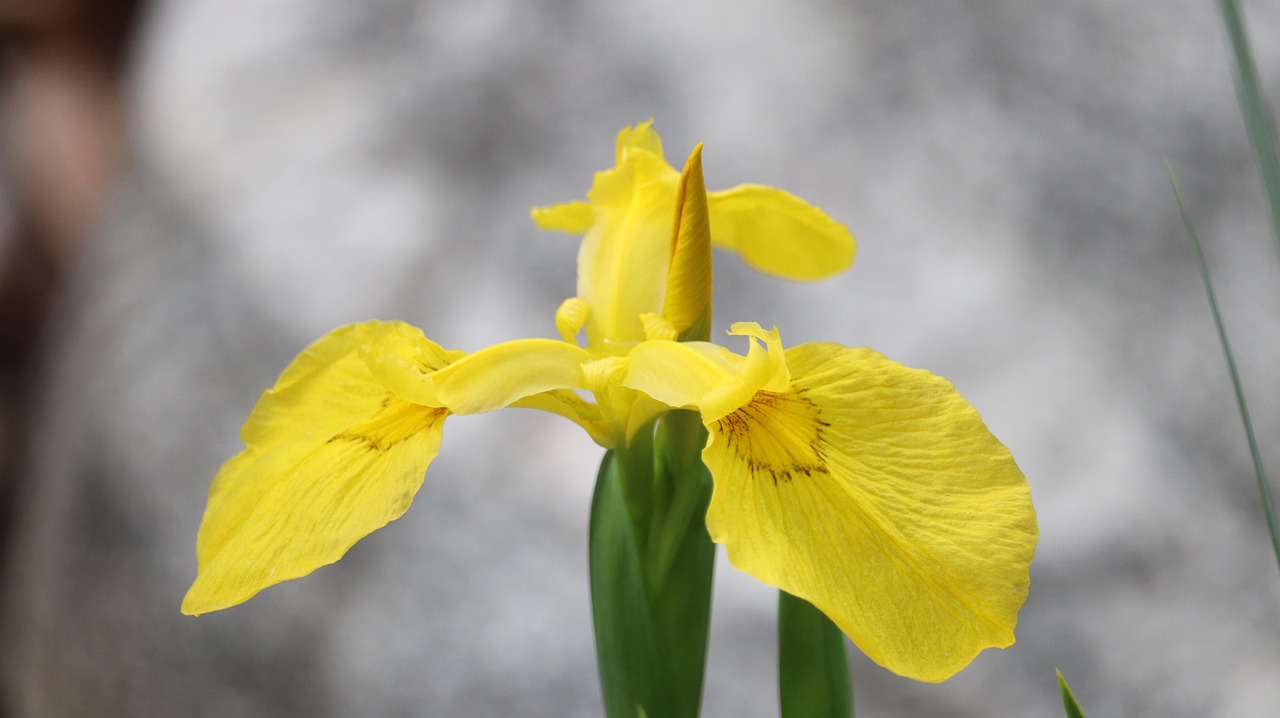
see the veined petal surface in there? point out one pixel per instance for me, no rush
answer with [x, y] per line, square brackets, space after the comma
[875, 492]
[779, 233]
[331, 456]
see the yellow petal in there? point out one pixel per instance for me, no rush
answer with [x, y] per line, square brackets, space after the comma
[641, 137]
[331, 456]
[577, 217]
[642, 410]
[875, 492]
[687, 304]
[766, 365]
[571, 217]
[401, 357]
[707, 377]
[563, 402]
[779, 233]
[505, 373]
[571, 316]
[622, 263]
[683, 374]
[656, 327]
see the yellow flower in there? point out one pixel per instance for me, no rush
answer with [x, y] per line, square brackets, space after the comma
[872, 490]
[622, 265]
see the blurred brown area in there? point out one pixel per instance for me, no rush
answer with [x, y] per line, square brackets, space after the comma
[62, 70]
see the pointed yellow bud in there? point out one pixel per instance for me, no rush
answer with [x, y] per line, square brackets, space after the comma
[687, 304]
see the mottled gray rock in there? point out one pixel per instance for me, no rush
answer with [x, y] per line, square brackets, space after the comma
[298, 165]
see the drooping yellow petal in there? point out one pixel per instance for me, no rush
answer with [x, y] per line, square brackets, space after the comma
[331, 456]
[875, 492]
[687, 304]
[779, 233]
[502, 374]
[401, 357]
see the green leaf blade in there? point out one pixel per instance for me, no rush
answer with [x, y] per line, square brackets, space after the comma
[1069, 702]
[1264, 486]
[1253, 107]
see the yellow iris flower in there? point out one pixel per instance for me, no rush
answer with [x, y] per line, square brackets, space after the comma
[870, 489]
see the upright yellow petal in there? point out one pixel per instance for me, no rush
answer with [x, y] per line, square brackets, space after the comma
[779, 233]
[331, 456]
[875, 492]
[687, 304]
[622, 263]
[641, 137]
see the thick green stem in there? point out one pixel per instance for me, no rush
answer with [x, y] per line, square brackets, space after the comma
[651, 564]
[813, 667]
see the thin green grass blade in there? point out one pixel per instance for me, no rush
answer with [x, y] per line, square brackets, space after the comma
[1264, 488]
[1068, 699]
[813, 667]
[1253, 106]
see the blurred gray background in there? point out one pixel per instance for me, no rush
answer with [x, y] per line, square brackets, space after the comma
[291, 165]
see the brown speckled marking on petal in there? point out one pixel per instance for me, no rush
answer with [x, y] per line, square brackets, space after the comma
[396, 423]
[777, 433]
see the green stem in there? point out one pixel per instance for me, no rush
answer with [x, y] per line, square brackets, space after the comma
[813, 667]
[651, 564]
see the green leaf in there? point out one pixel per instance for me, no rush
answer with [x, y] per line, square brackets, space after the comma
[813, 667]
[1069, 700]
[1253, 106]
[1264, 487]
